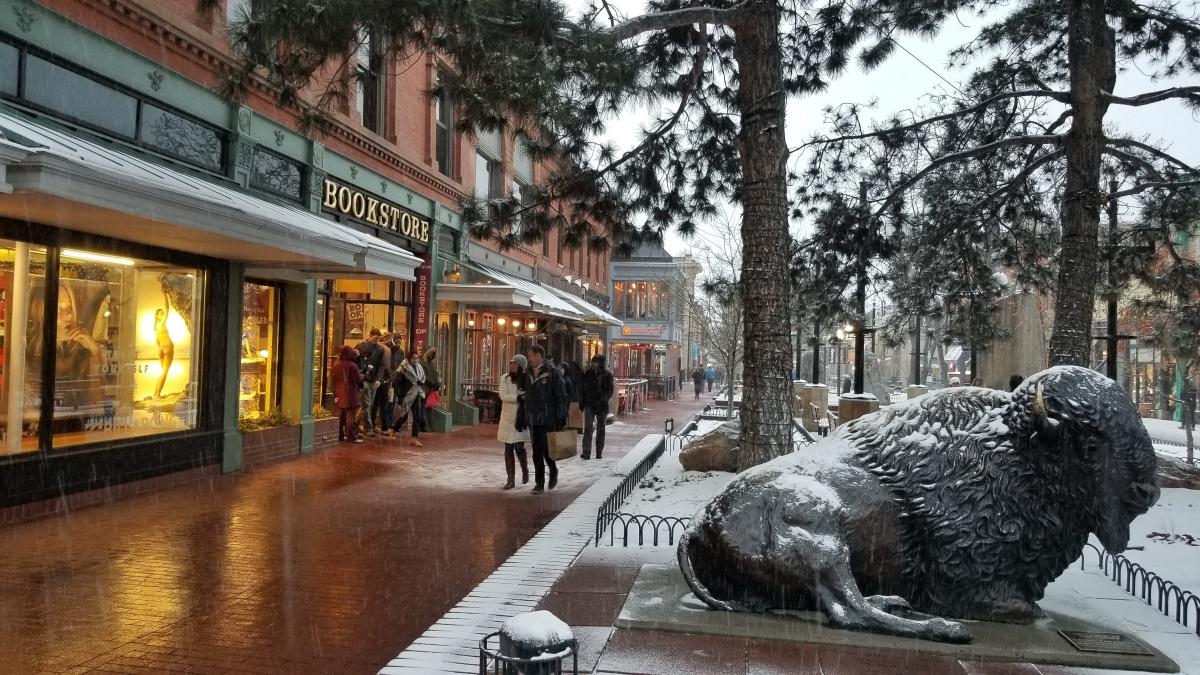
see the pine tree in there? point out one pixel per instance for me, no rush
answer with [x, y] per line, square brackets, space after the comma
[1051, 63]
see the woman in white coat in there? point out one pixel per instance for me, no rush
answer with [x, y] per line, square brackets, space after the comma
[513, 432]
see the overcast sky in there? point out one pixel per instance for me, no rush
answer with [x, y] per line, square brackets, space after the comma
[902, 81]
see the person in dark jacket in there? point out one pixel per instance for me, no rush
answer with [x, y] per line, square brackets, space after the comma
[545, 411]
[347, 381]
[370, 360]
[595, 392]
[698, 379]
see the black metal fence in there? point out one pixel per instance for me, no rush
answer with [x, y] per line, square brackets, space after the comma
[655, 528]
[1164, 595]
[612, 505]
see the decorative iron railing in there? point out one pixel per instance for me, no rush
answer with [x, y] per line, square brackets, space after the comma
[612, 505]
[1164, 595]
[641, 525]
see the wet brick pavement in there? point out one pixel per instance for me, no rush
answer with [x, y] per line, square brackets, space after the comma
[331, 563]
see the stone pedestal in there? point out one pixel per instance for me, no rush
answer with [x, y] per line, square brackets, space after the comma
[799, 398]
[915, 390]
[818, 395]
[854, 406]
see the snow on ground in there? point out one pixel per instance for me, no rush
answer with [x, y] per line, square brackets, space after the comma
[1170, 533]
[668, 490]
[1168, 430]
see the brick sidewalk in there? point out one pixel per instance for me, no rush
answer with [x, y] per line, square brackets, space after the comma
[324, 564]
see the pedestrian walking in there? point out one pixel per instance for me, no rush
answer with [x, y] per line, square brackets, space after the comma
[370, 363]
[710, 376]
[1015, 381]
[698, 379]
[384, 396]
[545, 411]
[513, 431]
[410, 381]
[433, 385]
[595, 392]
[347, 382]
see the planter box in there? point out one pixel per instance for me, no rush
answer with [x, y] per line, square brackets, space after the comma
[265, 446]
[325, 433]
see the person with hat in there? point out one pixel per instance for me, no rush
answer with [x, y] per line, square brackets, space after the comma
[513, 432]
[595, 392]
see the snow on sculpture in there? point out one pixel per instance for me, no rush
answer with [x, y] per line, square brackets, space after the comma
[963, 503]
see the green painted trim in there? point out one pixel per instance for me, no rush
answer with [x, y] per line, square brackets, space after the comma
[231, 453]
[70, 41]
[307, 422]
[439, 420]
[465, 414]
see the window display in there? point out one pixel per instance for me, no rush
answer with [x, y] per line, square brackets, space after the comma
[258, 391]
[120, 347]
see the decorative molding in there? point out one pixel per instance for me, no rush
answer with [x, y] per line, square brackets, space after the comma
[244, 155]
[26, 16]
[318, 155]
[383, 186]
[279, 136]
[156, 79]
[353, 172]
[244, 117]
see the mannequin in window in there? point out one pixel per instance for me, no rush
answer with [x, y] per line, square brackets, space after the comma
[166, 348]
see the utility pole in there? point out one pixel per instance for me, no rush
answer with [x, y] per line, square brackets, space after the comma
[1110, 365]
[860, 296]
[816, 373]
[916, 351]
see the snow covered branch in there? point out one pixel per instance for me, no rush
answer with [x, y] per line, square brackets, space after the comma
[687, 16]
[1157, 185]
[1166, 157]
[1191, 93]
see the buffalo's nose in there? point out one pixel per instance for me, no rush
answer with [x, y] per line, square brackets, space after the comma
[1146, 494]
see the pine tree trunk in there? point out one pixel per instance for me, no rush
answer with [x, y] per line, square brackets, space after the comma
[766, 411]
[1090, 54]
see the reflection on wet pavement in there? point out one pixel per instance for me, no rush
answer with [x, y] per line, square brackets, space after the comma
[323, 564]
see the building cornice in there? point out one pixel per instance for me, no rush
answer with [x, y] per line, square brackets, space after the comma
[192, 43]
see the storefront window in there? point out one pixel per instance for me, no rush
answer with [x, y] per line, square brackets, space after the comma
[258, 389]
[125, 349]
[9, 67]
[319, 325]
[22, 289]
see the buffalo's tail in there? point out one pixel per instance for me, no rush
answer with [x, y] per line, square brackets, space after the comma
[689, 575]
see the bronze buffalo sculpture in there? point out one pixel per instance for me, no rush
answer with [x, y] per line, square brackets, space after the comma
[963, 503]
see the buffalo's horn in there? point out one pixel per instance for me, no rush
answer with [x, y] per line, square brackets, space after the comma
[1042, 423]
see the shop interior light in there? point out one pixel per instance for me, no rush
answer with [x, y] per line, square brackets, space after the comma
[501, 321]
[516, 324]
[264, 353]
[96, 257]
[470, 323]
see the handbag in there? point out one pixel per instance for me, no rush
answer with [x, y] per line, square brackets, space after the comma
[561, 444]
[433, 399]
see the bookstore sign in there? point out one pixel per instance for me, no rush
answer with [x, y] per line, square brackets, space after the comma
[366, 208]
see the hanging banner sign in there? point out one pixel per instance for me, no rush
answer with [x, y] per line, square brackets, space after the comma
[361, 206]
[421, 307]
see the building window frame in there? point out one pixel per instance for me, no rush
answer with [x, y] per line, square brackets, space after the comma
[137, 139]
[445, 135]
[372, 85]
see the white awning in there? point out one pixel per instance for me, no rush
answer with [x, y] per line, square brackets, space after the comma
[498, 295]
[953, 353]
[592, 312]
[60, 179]
[541, 298]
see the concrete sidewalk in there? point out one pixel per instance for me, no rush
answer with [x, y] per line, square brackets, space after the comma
[329, 563]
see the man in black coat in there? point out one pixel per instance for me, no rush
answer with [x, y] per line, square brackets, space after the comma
[371, 357]
[594, 394]
[546, 406]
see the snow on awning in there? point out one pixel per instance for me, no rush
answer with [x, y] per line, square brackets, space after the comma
[953, 354]
[541, 298]
[66, 180]
[593, 312]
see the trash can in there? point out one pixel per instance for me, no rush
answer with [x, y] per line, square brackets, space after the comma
[535, 643]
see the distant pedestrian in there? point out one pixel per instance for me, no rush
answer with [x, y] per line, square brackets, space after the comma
[545, 411]
[595, 393]
[513, 431]
[710, 376]
[698, 380]
[347, 381]
[977, 382]
[1015, 381]
[955, 382]
[433, 385]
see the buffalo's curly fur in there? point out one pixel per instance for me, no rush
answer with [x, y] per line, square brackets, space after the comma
[991, 496]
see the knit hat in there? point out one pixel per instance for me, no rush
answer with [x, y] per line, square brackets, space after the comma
[520, 360]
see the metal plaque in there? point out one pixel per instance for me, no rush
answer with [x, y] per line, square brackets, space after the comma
[1108, 643]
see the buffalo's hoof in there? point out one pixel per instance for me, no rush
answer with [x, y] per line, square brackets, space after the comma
[889, 603]
[945, 630]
